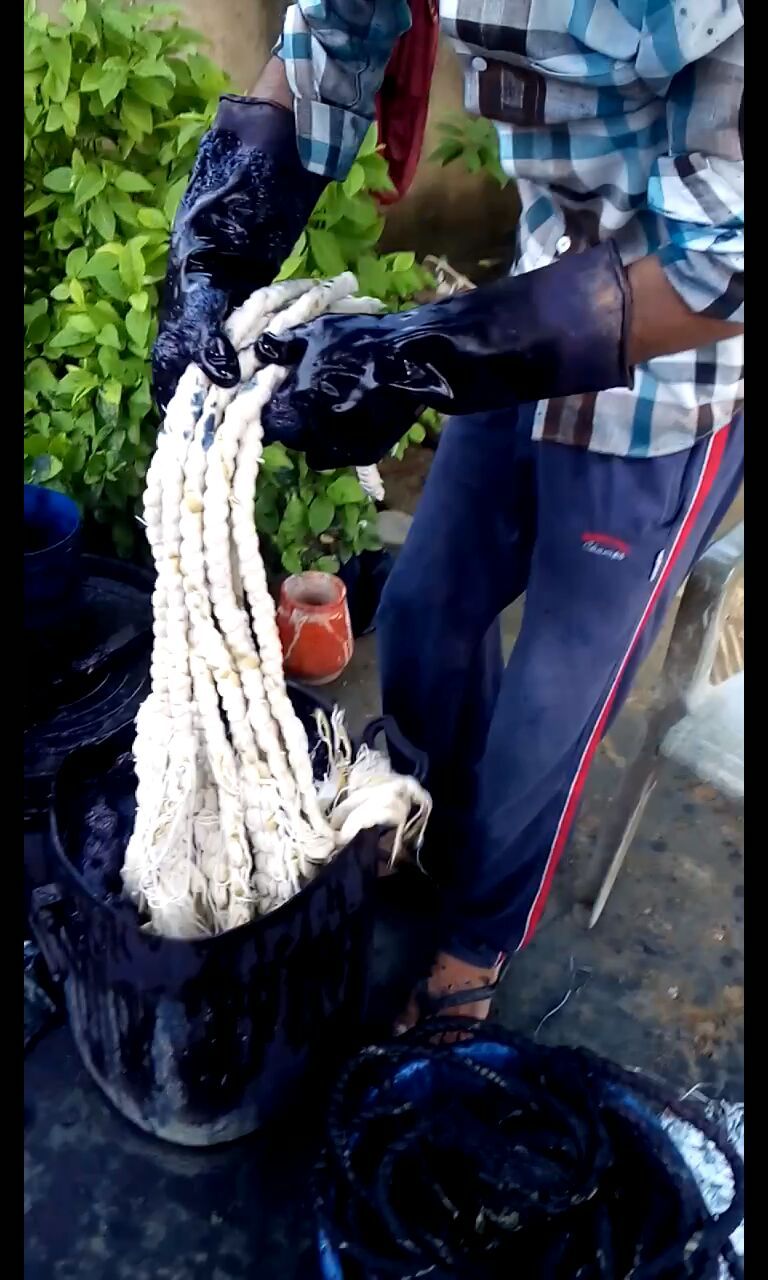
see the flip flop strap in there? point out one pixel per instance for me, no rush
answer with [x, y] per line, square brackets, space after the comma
[431, 1004]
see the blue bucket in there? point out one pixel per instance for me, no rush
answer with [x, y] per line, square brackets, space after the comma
[52, 528]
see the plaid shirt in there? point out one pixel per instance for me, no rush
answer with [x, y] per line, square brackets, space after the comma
[617, 119]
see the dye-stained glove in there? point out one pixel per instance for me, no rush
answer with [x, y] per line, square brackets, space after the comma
[357, 383]
[248, 200]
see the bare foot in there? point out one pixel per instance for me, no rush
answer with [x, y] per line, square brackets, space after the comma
[448, 977]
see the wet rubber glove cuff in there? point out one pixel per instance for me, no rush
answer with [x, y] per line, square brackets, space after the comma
[258, 123]
[558, 331]
[355, 384]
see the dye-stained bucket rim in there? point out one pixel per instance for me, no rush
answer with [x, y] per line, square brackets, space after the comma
[40, 494]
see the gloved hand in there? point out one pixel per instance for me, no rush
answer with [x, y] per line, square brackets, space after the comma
[248, 200]
[357, 383]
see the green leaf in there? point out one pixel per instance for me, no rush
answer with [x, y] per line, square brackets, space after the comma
[132, 264]
[36, 445]
[275, 458]
[355, 180]
[293, 266]
[126, 180]
[135, 116]
[153, 218]
[326, 252]
[83, 324]
[294, 521]
[267, 519]
[110, 362]
[91, 79]
[76, 380]
[321, 515]
[137, 324]
[112, 81]
[344, 490]
[74, 11]
[155, 67]
[112, 391]
[55, 119]
[34, 309]
[157, 93]
[327, 564]
[118, 20]
[370, 143]
[59, 179]
[171, 201]
[71, 108]
[108, 337]
[446, 152]
[139, 301]
[37, 206]
[377, 174]
[112, 285]
[291, 560]
[102, 219]
[417, 433]
[403, 261]
[189, 132]
[364, 213]
[76, 260]
[38, 376]
[56, 81]
[69, 336]
[91, 184]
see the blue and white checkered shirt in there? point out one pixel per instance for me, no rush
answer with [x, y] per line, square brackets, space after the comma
[617, 119]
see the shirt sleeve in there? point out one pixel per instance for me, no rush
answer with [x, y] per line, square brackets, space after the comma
[335, 54]
[698, 185]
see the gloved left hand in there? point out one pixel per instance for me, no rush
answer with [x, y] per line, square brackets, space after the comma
[356, 384]
[248, 200]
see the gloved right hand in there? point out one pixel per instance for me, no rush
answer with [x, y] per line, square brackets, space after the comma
[354, 384]
[248, 200]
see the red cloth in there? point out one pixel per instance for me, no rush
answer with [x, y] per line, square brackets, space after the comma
[403, 100]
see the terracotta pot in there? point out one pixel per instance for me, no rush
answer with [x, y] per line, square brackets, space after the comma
[314, 625]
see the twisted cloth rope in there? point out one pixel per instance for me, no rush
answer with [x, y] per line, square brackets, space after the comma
[495, 1157]
[229, 819]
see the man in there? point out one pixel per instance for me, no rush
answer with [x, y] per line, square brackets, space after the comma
[598, 393]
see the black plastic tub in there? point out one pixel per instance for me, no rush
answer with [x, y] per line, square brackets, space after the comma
[201, 1042]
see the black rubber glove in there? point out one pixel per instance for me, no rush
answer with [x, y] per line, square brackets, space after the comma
[357, 383]
[248, 200]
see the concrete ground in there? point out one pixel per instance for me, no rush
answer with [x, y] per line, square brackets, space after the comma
[659, 986]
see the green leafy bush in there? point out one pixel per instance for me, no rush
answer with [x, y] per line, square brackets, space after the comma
[474, 141]
[117, 97]
[310, 519]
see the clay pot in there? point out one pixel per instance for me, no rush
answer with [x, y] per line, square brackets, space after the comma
[315, 628]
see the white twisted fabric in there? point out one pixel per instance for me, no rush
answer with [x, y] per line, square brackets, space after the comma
[229, 820]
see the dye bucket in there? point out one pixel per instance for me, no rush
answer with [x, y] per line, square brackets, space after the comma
[52, 530]
[494, 1156]
[198, 1042]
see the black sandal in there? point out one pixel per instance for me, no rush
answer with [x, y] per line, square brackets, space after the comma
[432, 1006]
